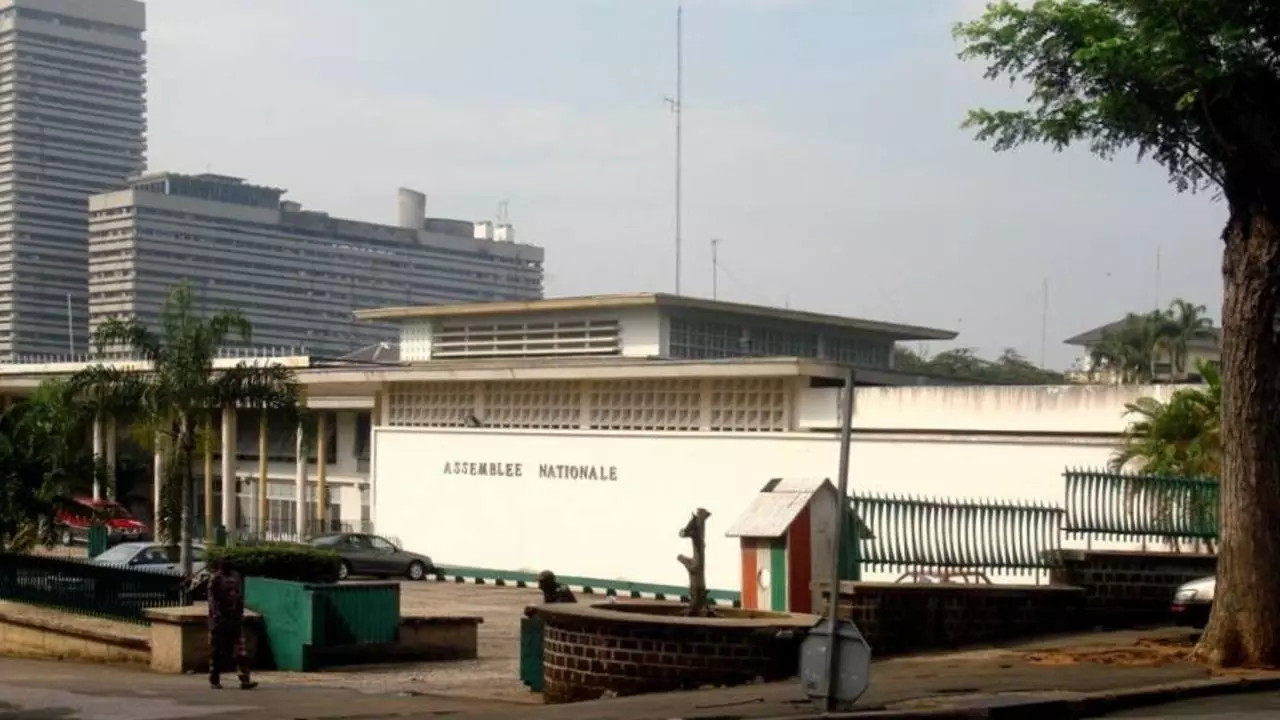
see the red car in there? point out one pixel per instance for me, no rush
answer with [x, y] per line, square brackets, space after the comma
[74, 523]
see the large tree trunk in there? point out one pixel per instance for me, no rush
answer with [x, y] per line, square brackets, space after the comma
[1245, 626]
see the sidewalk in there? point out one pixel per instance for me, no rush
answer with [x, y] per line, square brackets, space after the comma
[1050, 669]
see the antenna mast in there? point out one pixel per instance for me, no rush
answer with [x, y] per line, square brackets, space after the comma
[676, 107]
[715, 267]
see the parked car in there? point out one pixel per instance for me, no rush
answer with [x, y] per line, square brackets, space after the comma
[149, 556]
[1192, 602]
[372, 555]
[74, 522]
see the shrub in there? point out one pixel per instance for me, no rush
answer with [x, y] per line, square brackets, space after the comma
[282, 561]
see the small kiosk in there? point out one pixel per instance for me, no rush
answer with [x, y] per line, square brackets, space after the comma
[786, 540]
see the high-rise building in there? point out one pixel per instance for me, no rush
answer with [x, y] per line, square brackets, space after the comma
[72, 107]
[297, 274]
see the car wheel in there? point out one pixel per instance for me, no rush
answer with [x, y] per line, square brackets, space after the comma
[417, 570]
[344, 570]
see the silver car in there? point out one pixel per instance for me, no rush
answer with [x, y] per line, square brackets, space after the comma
[150, 557]
[1192, 602]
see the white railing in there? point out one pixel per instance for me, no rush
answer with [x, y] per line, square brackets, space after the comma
[231, 353]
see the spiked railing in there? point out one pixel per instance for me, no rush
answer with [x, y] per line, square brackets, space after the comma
[1121, 506]
[913, 533]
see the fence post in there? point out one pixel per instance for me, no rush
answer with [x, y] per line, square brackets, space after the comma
[97, 539]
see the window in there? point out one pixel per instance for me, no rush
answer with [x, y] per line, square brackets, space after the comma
[381, 545]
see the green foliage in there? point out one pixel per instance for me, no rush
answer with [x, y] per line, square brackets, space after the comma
[963, 364]
[1132, 350]
[1181, 437]
[282, 561]
[1187, 83]
[181, 392]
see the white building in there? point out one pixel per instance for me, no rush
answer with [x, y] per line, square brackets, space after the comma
[562, 434]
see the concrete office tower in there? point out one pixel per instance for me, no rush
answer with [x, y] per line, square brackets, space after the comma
[297, 274]
[72, 124]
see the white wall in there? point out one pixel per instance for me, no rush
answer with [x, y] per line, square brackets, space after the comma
[981, 408]
[627, 529]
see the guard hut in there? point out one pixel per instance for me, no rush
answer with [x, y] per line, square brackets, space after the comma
[785, 538]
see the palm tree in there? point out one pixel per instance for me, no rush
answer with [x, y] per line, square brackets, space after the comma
[1178, 438]
[1131, 350]
[1188, 322]
[182, 390]
[1181, 437]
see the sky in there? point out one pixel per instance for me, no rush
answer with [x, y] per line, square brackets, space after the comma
[822, 146]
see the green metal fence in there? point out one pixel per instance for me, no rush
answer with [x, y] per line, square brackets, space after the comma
[1118, 506]
[910, 533]
[117, 593]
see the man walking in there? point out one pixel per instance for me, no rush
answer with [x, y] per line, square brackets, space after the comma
[226, 626]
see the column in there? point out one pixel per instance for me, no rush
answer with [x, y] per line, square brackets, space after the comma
[300, 484]
[262, 473]
[208, 479]
[375, 421]
[229, 469]
[157, 487]
[97, 456]
[111, 457]
[322, 456]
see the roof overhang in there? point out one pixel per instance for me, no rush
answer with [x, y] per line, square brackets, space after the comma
[651, 300]
[563, 369]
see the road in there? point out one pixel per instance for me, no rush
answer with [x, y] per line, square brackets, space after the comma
[1253, 706]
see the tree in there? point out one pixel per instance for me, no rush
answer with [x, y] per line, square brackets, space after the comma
[1131, 350]
[1180, 437]
[1195, 86]
[1187, 323]
[181, 390]
[1011, 368]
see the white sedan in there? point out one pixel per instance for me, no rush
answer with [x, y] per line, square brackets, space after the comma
[1192, 602]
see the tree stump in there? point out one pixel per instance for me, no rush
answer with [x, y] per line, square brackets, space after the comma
[695, 530]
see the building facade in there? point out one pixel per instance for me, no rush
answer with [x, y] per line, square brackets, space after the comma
[590, 464]
[299, 275]
[72, 107]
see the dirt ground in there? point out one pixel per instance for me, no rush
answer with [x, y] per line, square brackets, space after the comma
[1144, 652]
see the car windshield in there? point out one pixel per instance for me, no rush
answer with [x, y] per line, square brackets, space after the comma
[118, 555]
[113, 510]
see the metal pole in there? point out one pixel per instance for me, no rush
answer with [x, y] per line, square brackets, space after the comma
[1044, 322]
[679, 107]
[715, 267]
[842, 514]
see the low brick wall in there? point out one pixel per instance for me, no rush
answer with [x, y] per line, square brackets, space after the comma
[1129, 589]
[902, 618]
[590, 651]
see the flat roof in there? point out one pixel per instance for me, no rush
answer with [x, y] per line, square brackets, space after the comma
[654, 300]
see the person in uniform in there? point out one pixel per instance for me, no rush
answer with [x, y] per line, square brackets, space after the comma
[553, 591]
[226, 624]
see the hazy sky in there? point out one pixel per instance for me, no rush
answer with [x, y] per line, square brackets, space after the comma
[822, 143]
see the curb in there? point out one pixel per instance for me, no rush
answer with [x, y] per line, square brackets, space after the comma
[1083, 706]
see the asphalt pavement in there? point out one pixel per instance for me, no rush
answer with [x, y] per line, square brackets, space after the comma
[1255, 706]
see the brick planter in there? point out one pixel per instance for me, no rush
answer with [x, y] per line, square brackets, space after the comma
[635, 648]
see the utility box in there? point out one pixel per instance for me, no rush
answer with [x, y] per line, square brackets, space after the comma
[786, 537]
